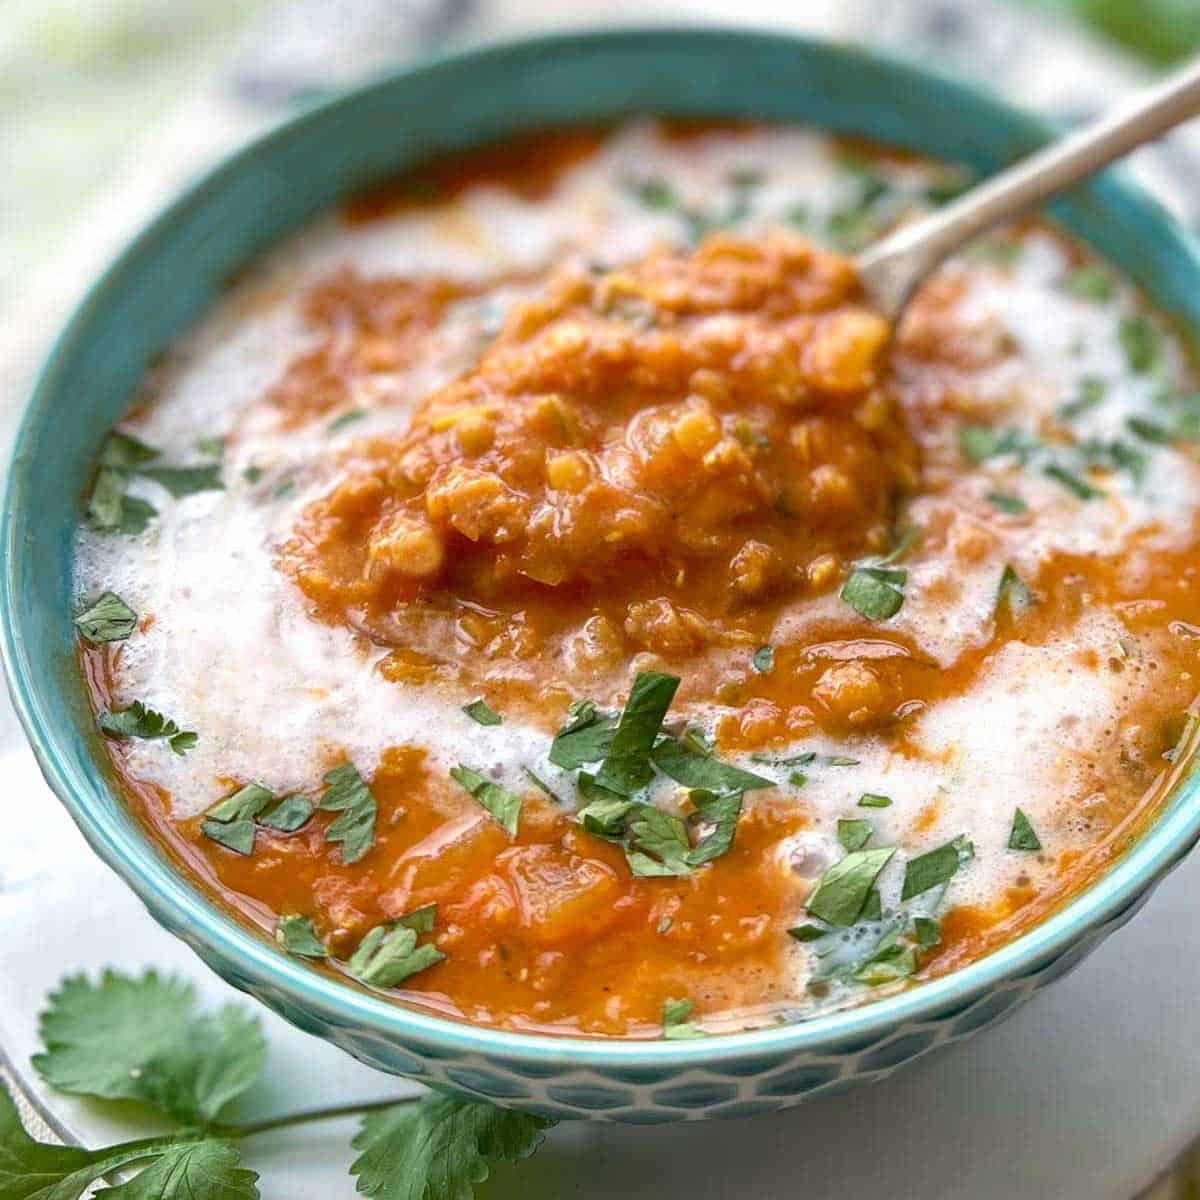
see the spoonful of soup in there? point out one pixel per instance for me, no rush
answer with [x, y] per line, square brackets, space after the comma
[892, 269]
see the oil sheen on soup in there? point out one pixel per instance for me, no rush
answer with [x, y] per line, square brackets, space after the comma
[546, 593]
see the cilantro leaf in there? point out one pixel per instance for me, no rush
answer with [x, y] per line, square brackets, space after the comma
[658, 843]
[875, 592]
[677, 1023]
[886, 965]
[763, 660]
[504, 805]
[185, 481]
[347, 418]
[1010, 505]
[345, 792]
[928, 932]
[389, 954]
[482, 713]
[107, 619]
[585, 738]
[1092, 391]
[1090, 282]
[439, 1147]
[722, 813]
[123, 452]
[626, 767]
[204, 1170]
[1074, 484]
[32, 1170]
[110, 508]
[1023, 836]
[420, 919]
[298, 935]
[936, 867]
[126, 1038]
[231, 821]
[138, 721]
[873, 800]
[978, 443]
[1140, 342]
[290, 814]
[1013, 595]
[213, 447]
[136, 515]
[872, 910]
[854, 834]
[541, 785]
[807, 933]
[842, 891]
[605, 813]
[694, 769]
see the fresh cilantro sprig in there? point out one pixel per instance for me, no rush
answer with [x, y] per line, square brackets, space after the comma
[138, 721]
[143, 1039]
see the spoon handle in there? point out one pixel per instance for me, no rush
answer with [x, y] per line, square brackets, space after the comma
[891, 269]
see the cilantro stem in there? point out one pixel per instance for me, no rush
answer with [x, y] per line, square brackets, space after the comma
[237, 1132]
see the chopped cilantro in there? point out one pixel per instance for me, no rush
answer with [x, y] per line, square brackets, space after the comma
[1150, 431]
[875, 592]
[124, 452]
[107, 619]
[854, 834]
[1023, 837]
[185, 481]
[1091, 393]
[874, 800]
[213, 447]
[138, 721]
[541, 785]
[698, 770]
[626, 767]
[297, 935]
[927, 932]
[807, 933]
[482, 713]
[504, 805]
[389, 954]
[585, 738]
[842, 891]
[721, 812]
[1092, 283]
[346, 793]
[1005, 503]
[231, 821]
[763, 660]
[936, 867]
[252, 474]
[289, 815]
[978, 443]
[657, 843]
[347, 418]
[1140, 342]
[676, 1020]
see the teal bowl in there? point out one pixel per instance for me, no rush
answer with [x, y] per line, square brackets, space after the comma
[180, 264]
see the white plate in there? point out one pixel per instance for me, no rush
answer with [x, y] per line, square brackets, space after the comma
[1085, 1094]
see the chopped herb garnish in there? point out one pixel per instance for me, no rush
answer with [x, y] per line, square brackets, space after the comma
[874, 800]
[927, 932]
[110, 507]
[1013, 595]
[1023, 836]
[421, 919]
[657, 843]
[123, 452]
[504, 805]
[1090, 283]
[664, 925]
[605, 813]
[978, 443]
[252, 474]
[1150, 431]
[214, 447]
[1005, 503]
[807, 933]
[1140, 342]
[298, 935]
[875, 592]
[1091, 393]
[873, 909]
[887, 966]
[108, 619]
[694, 769]
[763, 660]
[389, 954]
[482, 713]
[854, 834]
[676, 1020]
[185, 481]
[585, 738]
[936, 867]
[347, 418]
[290, 814]
[231, 821]
[721, 812]
[346, 793]
[839, 897]
[138, 721]
[626, 767]
[797, 778]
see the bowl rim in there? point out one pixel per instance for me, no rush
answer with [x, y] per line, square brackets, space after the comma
[187, 910]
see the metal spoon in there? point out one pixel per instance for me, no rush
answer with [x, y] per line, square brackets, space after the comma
[892, 269]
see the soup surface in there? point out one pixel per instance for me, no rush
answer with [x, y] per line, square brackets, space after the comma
[546, 592]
